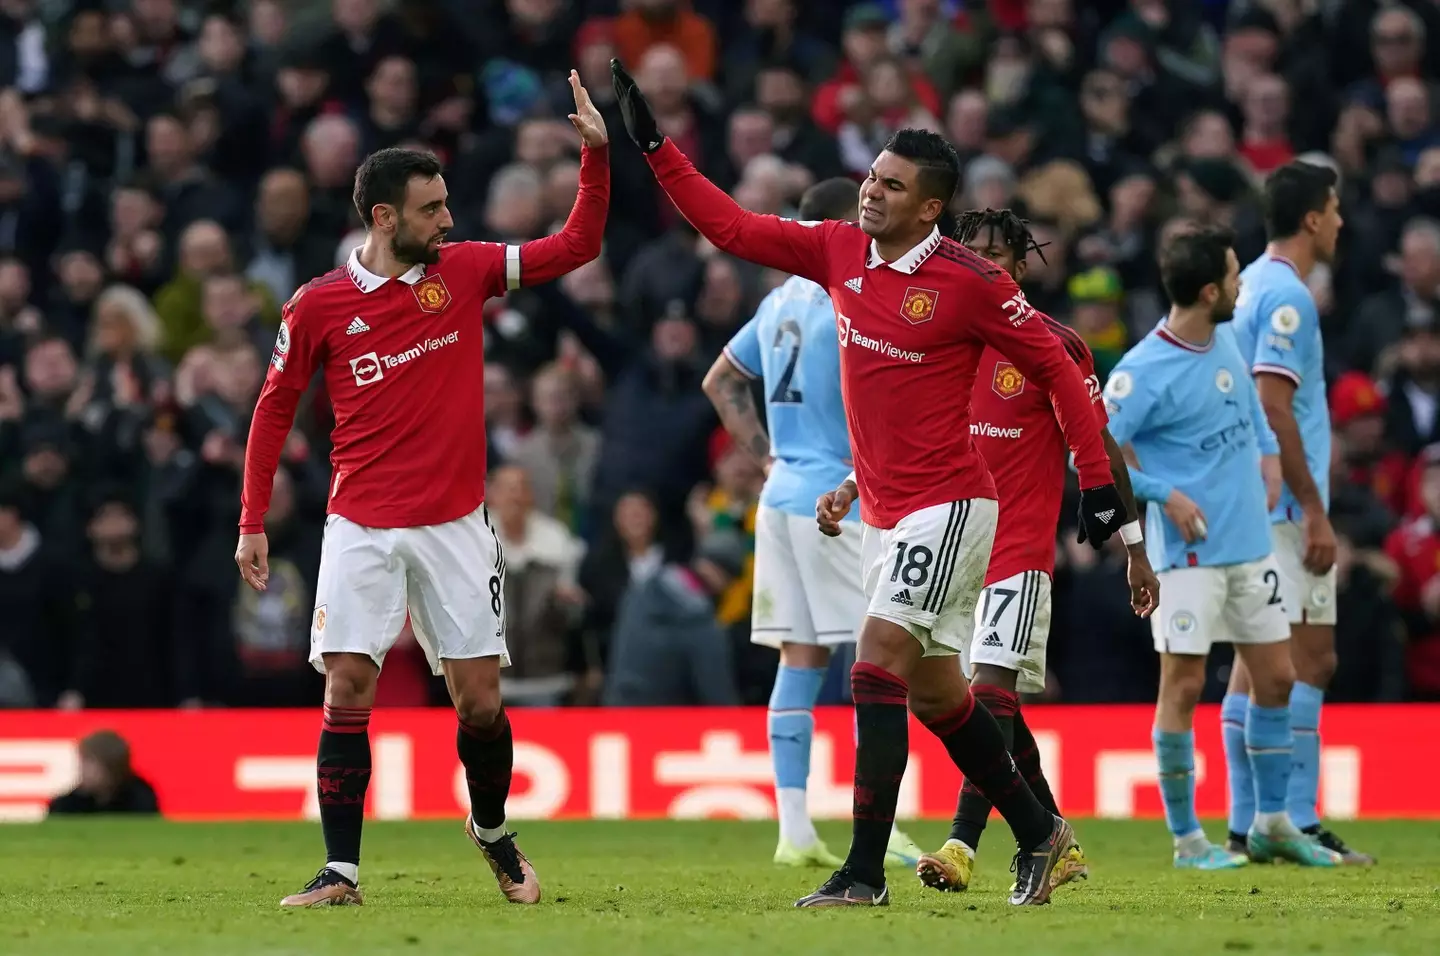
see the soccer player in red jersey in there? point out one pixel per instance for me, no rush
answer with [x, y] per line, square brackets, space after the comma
[398, 333]
[1016, 431]
[913, 312]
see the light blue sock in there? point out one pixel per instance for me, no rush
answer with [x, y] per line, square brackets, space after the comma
[1304, 790]
[1175, 753]
[1239, 776]
[792, 723]
[1268, 741]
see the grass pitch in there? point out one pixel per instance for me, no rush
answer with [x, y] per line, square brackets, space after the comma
[116, 888]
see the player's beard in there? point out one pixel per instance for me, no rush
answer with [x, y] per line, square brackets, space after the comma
[406, 248]
[1223, 312]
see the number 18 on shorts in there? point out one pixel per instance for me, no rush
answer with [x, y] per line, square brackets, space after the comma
[925, 573]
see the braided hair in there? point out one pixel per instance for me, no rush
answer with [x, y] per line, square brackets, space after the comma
[1013, 231]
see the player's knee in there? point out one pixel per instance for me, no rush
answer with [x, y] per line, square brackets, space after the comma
[350, 680]
[1316, 666]
[991, 675]
[1272, 688]
[1181, 690]
[888, 645]
[478, 706]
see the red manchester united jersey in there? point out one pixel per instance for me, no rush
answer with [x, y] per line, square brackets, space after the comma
[404, 361]
[1016, 431]
[911, 333]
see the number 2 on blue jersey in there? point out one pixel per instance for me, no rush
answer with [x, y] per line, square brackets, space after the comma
[783, 394]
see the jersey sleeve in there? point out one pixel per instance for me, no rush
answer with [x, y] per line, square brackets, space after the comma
[1264, 434]
[1084, 360]
[791, 246]
[1009, 323]
[1131, 401]
[507, 267]
[743, 349]
[299, 350]
[1285, 343]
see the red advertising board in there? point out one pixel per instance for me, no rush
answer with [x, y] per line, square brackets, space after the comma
[677, 763]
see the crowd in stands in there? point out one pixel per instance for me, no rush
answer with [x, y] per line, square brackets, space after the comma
[171, 172]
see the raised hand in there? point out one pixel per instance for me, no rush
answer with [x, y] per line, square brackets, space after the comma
[634, 110]
[586, 119]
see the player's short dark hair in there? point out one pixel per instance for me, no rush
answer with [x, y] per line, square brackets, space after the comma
[385, 173]
[1014, 232]
[1193, 259]
[836, 198]
[936, 159]
[1291, 193]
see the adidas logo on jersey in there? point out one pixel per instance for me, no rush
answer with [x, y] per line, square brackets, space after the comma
[854, 284]
[902, 597]
[356, 326]
[1106, 515]
[992, 639]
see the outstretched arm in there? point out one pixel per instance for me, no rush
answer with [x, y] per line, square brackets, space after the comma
[579, 241]
[785, 244]
[794, 247]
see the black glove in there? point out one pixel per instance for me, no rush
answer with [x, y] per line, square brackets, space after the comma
[1101, 514]
[639, 121]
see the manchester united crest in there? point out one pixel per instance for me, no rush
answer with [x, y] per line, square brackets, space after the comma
[1008, 382]
[319, 619]
[431, 293]
[918, 305]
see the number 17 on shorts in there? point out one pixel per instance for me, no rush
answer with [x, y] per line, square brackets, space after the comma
[925, 573]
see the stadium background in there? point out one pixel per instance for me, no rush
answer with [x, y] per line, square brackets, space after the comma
[170, 172]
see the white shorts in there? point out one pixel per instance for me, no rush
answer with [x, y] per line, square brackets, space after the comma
[1308, 598]
[1012, 626]
[1230, 604]
[449, 578]
[925, 574]
[807, 585]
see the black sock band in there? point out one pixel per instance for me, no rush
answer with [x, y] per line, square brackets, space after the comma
[973, 740]
[488, 754]
[883, 726]
[342, 776]
[973, 811]
[1027, 760]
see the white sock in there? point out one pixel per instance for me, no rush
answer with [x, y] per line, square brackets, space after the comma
[1192, 844]
[795, 825]
[1275, 824]
[351, 871]
[488, 835]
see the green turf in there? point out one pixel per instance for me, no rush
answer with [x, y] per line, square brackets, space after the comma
[114, 888]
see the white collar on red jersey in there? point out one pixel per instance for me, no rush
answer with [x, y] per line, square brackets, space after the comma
[367, 281]
[911, 260]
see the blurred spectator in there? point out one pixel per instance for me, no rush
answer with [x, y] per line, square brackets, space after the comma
[1415, 548]
[108, 782]
[1385, 316]
[205, 252]
[667, 649]
[1357, 415]
[542, 599]
[1099, 300]
[647, 24]
[121, 643]
[560, 454]
[627, 551]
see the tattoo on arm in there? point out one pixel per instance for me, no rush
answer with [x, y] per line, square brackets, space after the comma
[738, 414]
